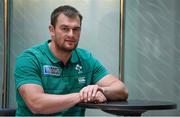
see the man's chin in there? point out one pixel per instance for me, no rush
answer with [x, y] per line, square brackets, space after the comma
[69, 49]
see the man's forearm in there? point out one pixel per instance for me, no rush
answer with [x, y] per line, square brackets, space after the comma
[115, 92]
[47, 103]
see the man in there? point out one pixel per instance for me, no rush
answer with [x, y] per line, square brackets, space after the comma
[51, 78]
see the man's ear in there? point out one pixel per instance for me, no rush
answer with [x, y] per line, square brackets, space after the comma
[51, 30]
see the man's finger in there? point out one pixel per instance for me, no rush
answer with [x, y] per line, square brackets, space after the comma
[90, 91]
[95, 89]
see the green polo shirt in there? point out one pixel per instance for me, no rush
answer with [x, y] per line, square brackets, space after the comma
[39, 66]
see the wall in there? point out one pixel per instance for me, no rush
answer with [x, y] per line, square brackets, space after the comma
[152, 51]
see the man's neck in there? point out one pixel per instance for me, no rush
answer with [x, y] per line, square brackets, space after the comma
[60, 54]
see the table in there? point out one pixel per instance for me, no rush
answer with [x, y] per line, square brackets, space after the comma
[130, 107]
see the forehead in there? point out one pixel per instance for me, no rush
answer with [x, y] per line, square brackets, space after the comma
[69, 21]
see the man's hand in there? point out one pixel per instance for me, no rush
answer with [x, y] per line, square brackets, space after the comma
[90, 93]
[99, 98]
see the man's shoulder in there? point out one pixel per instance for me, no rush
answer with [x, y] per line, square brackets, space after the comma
[35, 50]
[83, 53]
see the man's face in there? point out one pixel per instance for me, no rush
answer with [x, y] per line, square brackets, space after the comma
[66, 33]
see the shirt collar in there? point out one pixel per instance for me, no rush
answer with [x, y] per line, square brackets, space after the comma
[49, 53]
[73, 59]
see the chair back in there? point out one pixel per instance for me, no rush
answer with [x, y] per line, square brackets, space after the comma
[7, 112]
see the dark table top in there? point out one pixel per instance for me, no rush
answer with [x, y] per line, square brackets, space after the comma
[130, 106]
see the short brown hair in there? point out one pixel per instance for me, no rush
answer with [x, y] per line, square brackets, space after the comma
[67, 10]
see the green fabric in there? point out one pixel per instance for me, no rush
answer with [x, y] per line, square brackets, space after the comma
[39, 66]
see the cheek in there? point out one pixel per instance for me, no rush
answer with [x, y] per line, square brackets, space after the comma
[59, 35]
[77, 35]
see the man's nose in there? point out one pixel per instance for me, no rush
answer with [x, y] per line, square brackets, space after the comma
[70, 32]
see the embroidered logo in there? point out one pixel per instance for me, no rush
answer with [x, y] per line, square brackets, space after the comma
[51, 70]
[78, 68]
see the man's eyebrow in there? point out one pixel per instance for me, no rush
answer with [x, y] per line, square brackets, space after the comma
[69, 26]
[64, 25]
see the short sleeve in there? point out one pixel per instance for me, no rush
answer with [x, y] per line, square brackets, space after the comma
[27, 70]
[99, 71]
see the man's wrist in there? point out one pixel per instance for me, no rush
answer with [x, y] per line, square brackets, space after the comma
[103, 90]
[78, 97]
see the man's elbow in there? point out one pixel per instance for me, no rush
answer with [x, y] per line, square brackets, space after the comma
[124, 94]
[36, 108]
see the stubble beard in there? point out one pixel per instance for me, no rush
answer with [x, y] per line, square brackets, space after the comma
[65, 49]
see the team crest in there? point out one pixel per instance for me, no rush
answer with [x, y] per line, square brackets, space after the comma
[78, 68]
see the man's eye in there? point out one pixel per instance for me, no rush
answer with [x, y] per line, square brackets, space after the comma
[65, 29]
[77, 29]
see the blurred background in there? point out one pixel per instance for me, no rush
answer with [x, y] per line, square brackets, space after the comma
[151, 39]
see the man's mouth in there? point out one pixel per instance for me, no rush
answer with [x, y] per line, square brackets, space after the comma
[70, 40]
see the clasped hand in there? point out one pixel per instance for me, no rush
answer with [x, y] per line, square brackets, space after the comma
[92, 93]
